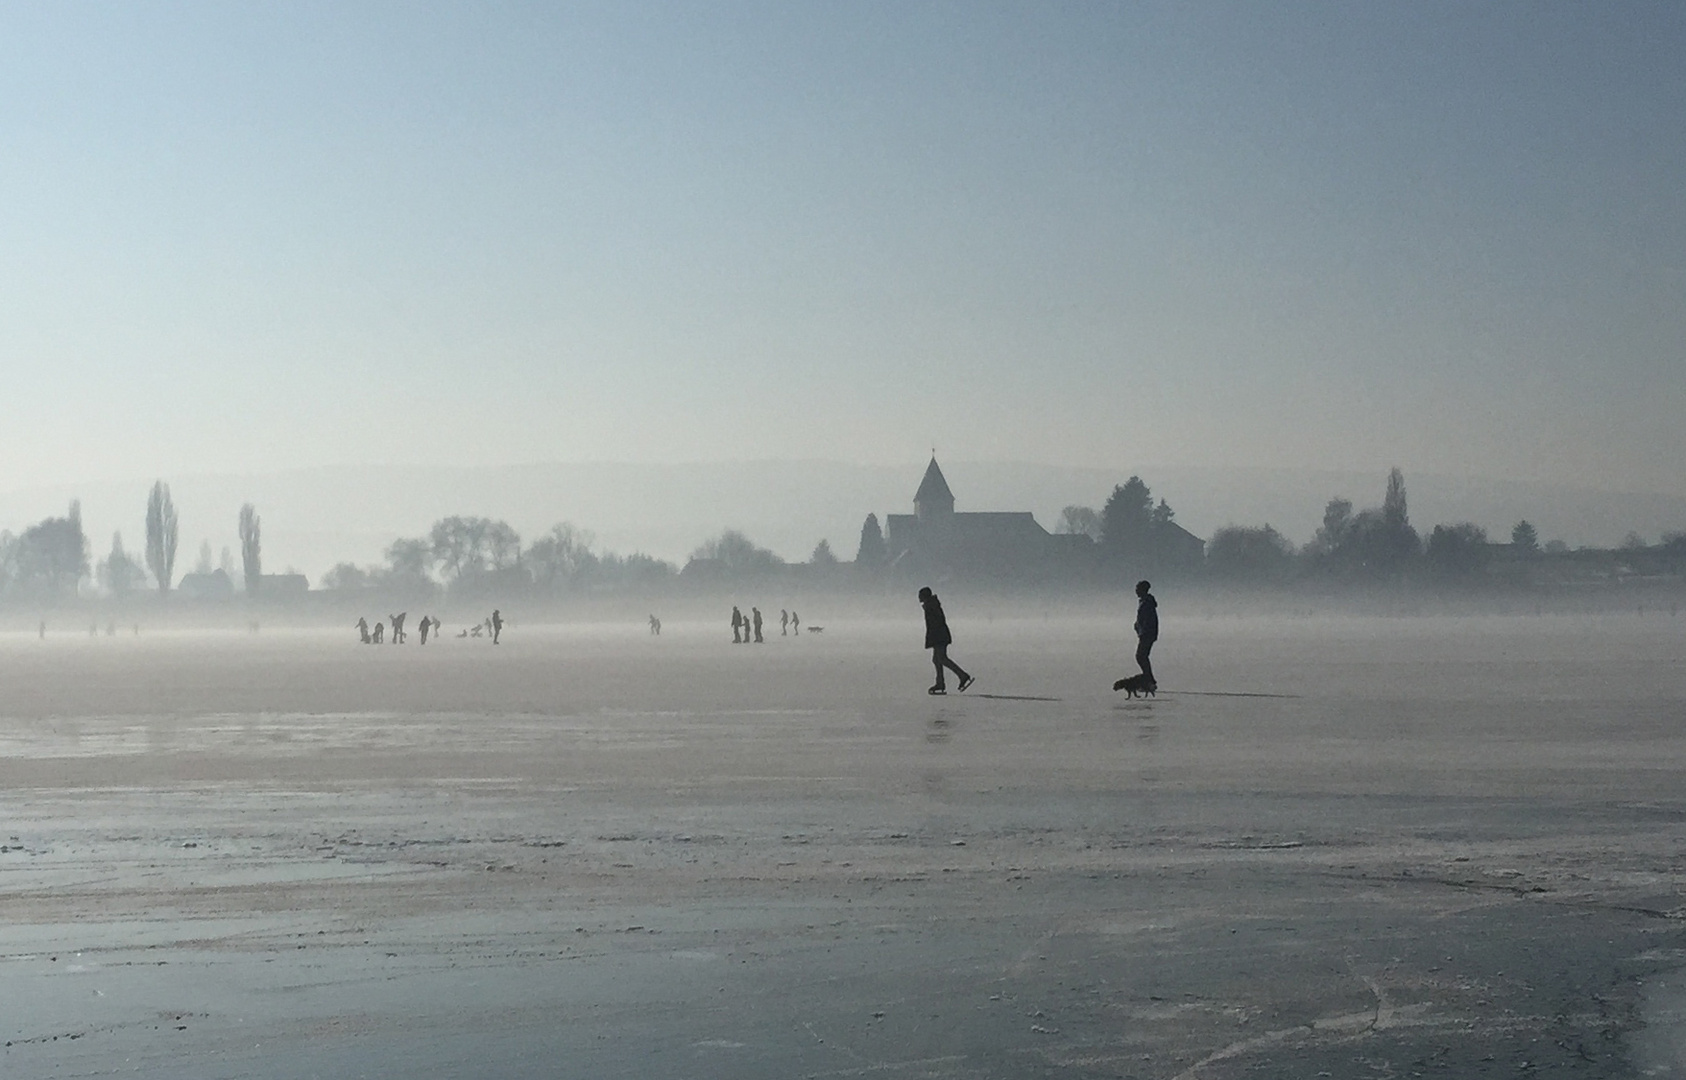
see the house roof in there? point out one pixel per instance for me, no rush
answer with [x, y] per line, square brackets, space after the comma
[933, 489]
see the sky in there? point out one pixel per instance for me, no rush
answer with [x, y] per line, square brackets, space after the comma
[245, 238]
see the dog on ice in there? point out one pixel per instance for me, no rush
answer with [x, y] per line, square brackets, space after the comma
[1136, 686]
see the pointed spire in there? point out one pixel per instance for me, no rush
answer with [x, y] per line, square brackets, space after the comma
[933, 495]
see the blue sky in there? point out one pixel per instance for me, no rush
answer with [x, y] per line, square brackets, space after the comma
[243, 238]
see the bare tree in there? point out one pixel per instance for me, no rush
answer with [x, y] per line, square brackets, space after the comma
[51, 556]
[251, 547]
[161, 534]
[1080, 521]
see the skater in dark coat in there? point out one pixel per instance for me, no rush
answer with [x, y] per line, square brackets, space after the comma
[938, 639]
[1147, 629]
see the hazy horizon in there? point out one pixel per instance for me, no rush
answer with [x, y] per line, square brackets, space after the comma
[318, 516]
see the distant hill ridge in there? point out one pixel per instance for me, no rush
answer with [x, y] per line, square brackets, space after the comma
[315, 517]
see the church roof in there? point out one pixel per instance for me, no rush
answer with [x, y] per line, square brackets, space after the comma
[933, 489]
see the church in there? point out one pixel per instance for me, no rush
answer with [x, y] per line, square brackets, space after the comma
[936, 539]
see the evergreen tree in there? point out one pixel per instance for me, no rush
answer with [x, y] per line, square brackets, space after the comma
[1127, 517]
[872, 553]
[119, 572]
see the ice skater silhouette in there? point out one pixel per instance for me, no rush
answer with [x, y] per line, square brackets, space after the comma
[1147, 629]
[795, 623]
[1147, 632]
[755, 615]
[784, 623]
[497, 625]
[938, 639]
[380, 628]
[737, 625]
[363, 630]
[424, 626]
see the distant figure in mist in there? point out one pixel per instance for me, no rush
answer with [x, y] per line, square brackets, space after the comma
[424, 626]
[755, 615]
[363, 630]
[784, 623]
[436, 625]
[1147, 632]
[655, 626]
[380, 630]
[497, 625]
[795, 623]
[398, 635]
[43, 629]
[737, 625]
[938, 639]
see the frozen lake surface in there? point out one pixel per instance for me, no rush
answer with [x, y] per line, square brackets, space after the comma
[1344, 847]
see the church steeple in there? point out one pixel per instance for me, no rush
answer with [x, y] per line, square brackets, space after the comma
[933, 500]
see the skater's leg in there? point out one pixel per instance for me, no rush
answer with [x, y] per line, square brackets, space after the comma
[965, 679]
[1144, 646]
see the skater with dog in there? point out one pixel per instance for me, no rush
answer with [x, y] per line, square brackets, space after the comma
[938, 639]
[1147, 632]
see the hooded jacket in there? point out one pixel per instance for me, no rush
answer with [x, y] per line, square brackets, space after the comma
[936, 624]
[1147, 618]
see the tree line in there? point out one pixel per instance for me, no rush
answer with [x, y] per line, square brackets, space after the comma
[470, 556]
[50, 560]
[1379, 544]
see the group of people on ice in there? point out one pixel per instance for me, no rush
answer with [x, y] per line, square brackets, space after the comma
[747, 628]
[492, 627]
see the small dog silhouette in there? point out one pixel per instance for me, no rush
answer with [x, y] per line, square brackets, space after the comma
[1136, 686]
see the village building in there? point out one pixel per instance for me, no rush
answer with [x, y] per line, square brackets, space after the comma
[1012, 545]
[214, 585]
[1009, 545]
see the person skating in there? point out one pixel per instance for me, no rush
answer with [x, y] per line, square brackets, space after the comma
[497, 625]
[362, 629]
[938, 639]
[1147, 632]
[784, 623]
[424, 626]
[737, 625]
[755, 618]
[795, 624]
